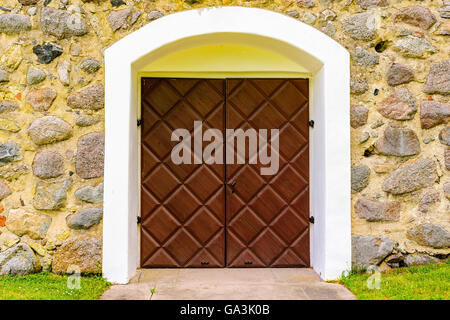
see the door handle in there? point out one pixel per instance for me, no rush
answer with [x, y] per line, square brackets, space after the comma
[232, 184]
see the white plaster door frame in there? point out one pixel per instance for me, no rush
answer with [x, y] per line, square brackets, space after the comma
[328, 64]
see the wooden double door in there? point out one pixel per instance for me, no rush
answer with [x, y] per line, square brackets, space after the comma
[224, 214]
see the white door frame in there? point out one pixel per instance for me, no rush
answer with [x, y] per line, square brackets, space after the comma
[328, 64]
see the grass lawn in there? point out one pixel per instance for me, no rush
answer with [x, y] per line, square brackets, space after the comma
[430, 282]
[49, 286]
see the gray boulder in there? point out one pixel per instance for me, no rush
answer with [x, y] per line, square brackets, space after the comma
[438, 80]
[377, 211]
[419, 259]
[430, 235]
[49, 129]
[444, 136]
[370, 250]
[360, 26]
[85, 218]
[61, 23]
[11, 23]
[51, 195]
[18, 261]
[411, 176]
[360, 177]
[90, 194]
[9, 152]
[397, 141]
[414, 47]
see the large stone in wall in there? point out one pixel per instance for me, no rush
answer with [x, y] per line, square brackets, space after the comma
[9, 152]
[156, 14]
[49, 129]
[47, 52]
[41, 99]
[428, 200]
[5, 191]
[48, 164]
[83, 251]
[358, 116]
[61, 23]
[90, 155]
[444, 136]
[21, 222]
[377, 211]
[399, 74]
[90, 65]
[429, 235]
[12, 57]
[63, 70]
[360, 26]
[414, 47]
[411, 176]
[419, 259]
[433, 113]
[306, 3]
[11, 23]
[399, 105]
[86, 121]
[358, 86]
[91, 98]
[122, 19]
[85, 218]
[8, 240]
[366, 4]
[8, 105]
[398, 141]
[417, 16]
[438, 80]
[18, 261]
[360, 177]
[370, 250]
[90, 194]
[51, 195]
[365, 57]
[35, 76]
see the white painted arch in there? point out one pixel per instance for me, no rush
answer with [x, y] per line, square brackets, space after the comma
[328, 68]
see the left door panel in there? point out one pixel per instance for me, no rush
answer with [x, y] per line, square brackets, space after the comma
[182, 205]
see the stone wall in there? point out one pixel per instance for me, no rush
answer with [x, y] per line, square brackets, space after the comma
[51, 123]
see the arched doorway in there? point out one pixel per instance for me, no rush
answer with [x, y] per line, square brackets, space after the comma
[181, 45]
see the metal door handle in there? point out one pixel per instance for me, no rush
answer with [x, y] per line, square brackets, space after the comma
[232, 184]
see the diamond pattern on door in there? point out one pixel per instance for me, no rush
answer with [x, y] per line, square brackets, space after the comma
[182, 206]
[199, 215]
[267, 216]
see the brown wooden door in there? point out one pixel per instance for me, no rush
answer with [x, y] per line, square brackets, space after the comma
[268, 215]
[189, 218]
[182, 206]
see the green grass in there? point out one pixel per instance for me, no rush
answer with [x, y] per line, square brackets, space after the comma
[48, 286]
[430, 282]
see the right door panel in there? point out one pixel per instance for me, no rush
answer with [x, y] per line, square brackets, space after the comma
[268, 215]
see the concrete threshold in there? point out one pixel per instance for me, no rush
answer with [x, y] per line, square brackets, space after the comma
[228, 284]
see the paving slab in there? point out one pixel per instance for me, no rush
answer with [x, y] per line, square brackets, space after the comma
[228, 284]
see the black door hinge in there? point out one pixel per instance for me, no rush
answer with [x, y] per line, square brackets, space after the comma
[311, 123]
[139, 122]
[138, 220]
[311, 219]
